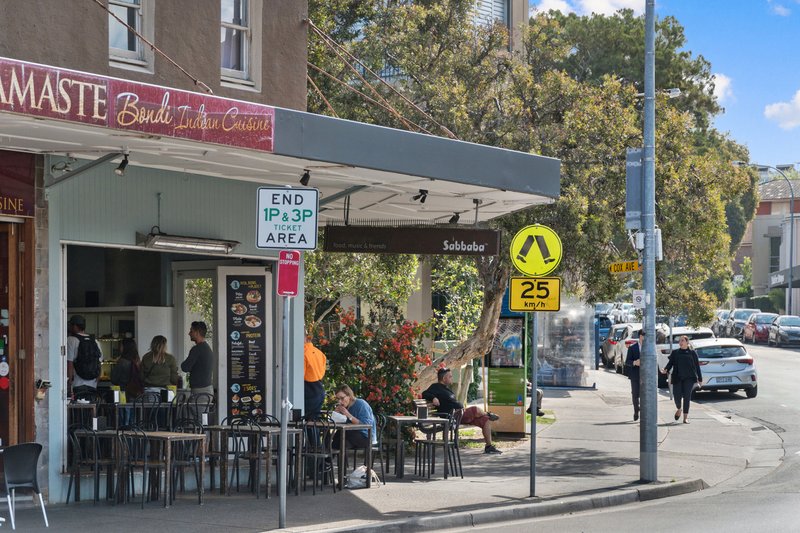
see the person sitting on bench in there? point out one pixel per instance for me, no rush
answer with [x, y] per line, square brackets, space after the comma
[442, 397]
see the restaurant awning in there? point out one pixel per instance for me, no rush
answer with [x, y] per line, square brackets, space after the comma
[381, 170]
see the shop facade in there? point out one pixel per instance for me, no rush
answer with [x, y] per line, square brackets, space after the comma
[80, 235]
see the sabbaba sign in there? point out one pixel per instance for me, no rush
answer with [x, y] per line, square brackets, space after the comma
[39, 90]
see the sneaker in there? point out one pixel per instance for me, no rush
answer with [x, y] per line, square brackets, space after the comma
[490, 449]
[539, 413]
[492, 416]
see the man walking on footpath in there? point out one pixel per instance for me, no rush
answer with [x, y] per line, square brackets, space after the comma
[445, 399]
[632, 362]
[200, 362]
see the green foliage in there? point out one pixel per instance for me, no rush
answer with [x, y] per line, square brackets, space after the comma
[745, 288]
[199, 299]
[457, 280]
[773, 302]
[381, 279]
[377, 359]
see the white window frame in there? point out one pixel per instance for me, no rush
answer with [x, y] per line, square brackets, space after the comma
[141, 59]
[249, 77]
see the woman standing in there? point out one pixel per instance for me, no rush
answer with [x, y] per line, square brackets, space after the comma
[127, 373]
[159, 368]
[686, 373]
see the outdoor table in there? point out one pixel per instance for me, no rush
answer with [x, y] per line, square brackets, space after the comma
[169, 437]
[409, 420]
[342, 451]
[265, 431]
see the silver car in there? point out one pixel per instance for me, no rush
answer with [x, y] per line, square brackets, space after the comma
[726, 364]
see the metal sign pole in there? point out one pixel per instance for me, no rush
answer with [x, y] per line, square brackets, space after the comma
[534, 406]
[284, 414]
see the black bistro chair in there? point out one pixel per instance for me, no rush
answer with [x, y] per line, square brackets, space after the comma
[20, 472]
[318, 454]
[425, 449]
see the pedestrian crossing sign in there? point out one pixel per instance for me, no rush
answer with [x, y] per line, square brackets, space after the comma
[536, 250]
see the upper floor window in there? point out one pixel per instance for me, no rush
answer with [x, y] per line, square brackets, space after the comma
[125, 47]
[236, 39]
[491, 11]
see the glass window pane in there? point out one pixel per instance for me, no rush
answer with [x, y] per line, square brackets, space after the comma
[234, 12]
[231, 48]
[118, 35]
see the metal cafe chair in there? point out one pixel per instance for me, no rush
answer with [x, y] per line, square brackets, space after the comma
[318, 453]
[20, 473]
[186, 454]
[425, 449]
[246, 439]
[137, 454]
[88, 452]
[145, 411]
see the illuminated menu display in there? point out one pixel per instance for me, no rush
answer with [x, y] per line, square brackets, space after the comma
[246, 345]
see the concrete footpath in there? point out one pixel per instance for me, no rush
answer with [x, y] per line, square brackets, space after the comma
[587, 459]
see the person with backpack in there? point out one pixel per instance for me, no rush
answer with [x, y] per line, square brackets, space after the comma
[83, 360]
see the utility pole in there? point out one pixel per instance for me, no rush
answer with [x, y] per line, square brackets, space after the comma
[648, 464]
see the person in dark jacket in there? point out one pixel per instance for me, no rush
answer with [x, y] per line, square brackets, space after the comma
[632, 364]
[686, 373]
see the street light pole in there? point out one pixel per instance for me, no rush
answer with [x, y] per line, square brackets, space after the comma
[648, 429]
[791, 226]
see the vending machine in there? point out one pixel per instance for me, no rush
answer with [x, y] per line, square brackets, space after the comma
[506, 369]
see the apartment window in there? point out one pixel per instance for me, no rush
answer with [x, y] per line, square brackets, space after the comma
[774, 254]
[236, 37]
[491, 11]
[125, 48]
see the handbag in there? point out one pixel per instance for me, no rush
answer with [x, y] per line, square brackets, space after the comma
[357, 479]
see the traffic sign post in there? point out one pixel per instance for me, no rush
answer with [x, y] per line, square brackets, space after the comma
[534, 294]
[288, 272]
[287, 218]
[536, 250]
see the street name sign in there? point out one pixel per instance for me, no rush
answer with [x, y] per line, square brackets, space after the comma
[287, 218]
[623, 267]
[536, 250]
[535, 294]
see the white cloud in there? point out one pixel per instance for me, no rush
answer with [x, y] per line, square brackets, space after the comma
[786, 114]
[587, 7]
[780, 9]
[609, 7]
[557, 5]
[723, 87]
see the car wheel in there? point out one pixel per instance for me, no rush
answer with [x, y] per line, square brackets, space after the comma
[752, 392]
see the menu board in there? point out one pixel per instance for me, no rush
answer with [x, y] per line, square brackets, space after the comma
[246, 340]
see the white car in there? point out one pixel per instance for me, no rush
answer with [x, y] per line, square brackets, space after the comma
[664, 347]
[726, 364]
[628, 336]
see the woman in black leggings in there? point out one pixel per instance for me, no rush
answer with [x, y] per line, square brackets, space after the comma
[685, 373]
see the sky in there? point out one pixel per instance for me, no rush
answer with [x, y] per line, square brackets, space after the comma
[754, 50]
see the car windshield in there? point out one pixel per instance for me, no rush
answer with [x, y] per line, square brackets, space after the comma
[743, 314]
[619, 334]
[791, 321]
[721, 352]
[604, 322]
[764, 319]
[602, 309]
[723, 315]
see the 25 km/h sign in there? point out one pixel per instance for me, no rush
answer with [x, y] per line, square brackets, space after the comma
[534, 294]
[536, 250]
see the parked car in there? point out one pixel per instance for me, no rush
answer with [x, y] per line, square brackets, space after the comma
[628, 336]
[785, 329]
[757, 328]
[603, 324]
[718, 325]
[667, 341]
[734, 325]
[622, 312]
[603, 308]
[607, 348]
[726, 364]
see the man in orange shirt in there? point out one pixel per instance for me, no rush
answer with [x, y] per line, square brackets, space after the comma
[314, 362]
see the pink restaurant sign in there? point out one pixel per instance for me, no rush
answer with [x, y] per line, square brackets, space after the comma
[39, 90]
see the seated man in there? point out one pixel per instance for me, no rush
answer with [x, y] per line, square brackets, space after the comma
[445, 399]
[357, 411]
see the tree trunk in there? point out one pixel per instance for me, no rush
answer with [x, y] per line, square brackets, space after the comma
[494, 273]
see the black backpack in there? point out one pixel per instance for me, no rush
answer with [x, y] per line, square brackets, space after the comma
[87, 360]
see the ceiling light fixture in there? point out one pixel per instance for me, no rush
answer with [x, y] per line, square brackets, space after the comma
[158, 240]
[306, 178]
[120, 170]
[454, 219]
[422, 196]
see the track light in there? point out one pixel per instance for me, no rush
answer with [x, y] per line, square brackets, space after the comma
[454, 219]
[120, 170]
[422, 196]
[306, 178]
